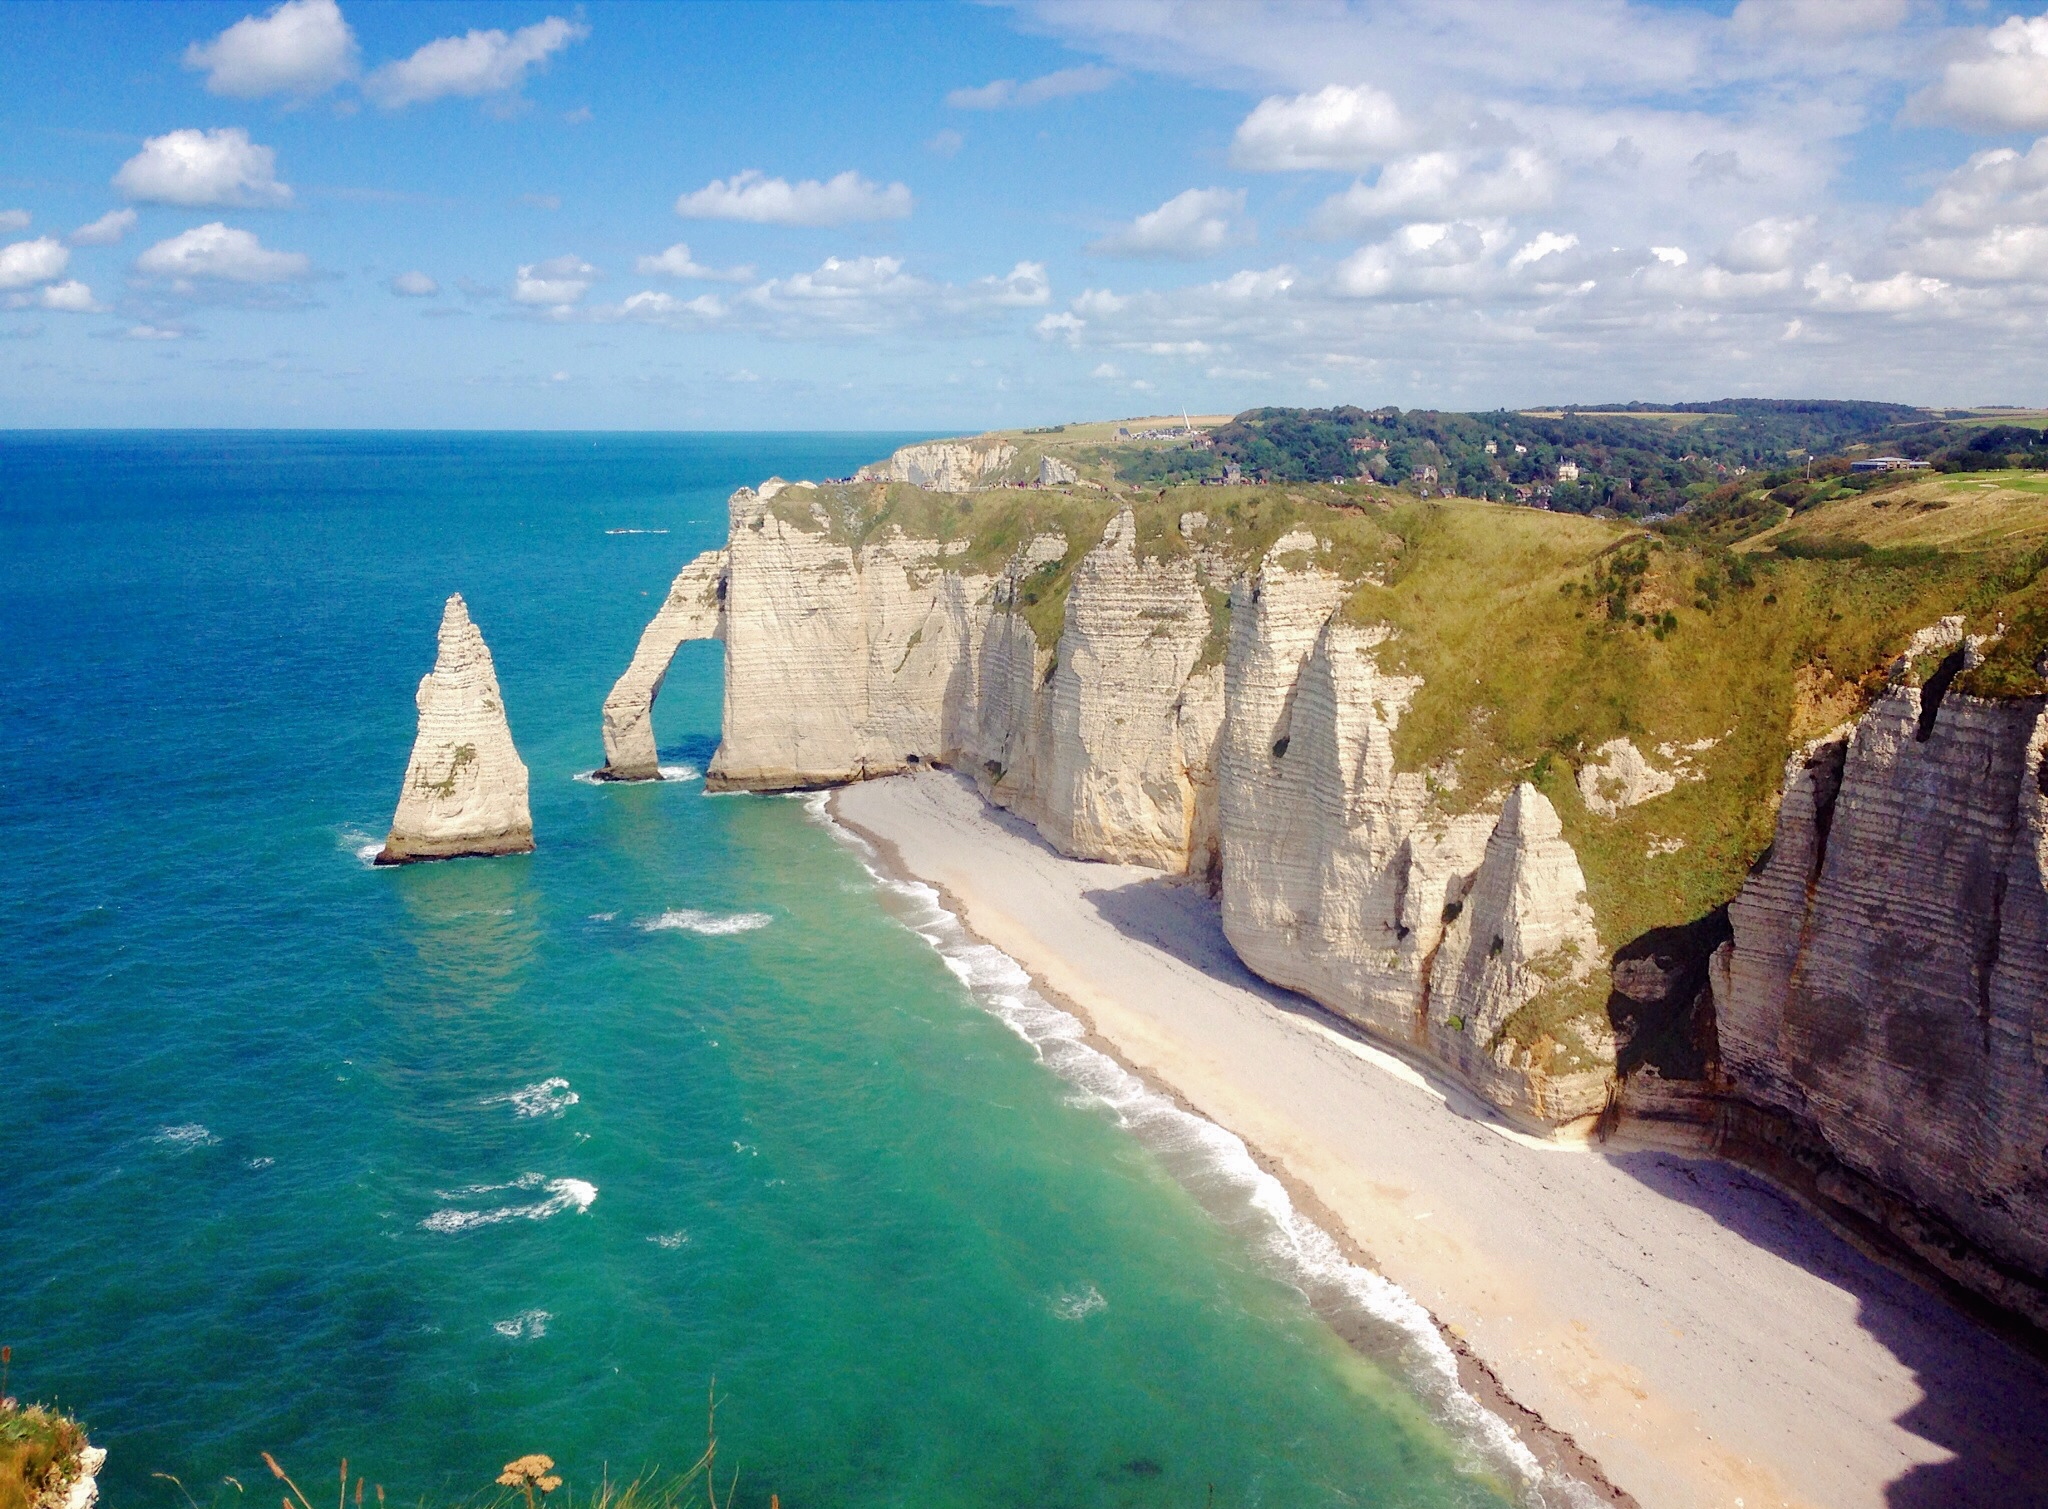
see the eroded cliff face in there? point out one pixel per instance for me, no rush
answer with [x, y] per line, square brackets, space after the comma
[693, 609]
[1887, 982]
[465, 786]
[944, 466]
[1343, 879]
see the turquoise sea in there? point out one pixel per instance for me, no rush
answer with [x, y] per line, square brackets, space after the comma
[435, 1167]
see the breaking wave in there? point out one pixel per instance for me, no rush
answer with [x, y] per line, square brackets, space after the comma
[1214, 1165]
[527, 1325]
[185, 1138]
[551, 1097]
[680, 772]
[708, 924]
[562, 1194]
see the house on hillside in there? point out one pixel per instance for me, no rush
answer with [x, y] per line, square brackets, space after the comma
[1567, 471]
[1888, 464]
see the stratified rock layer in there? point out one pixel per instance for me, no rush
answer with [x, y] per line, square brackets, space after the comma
[693, 609]
[1887, 983]
[465, 787]
[943, 466]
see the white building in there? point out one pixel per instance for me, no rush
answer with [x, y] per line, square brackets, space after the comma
[1567, 471]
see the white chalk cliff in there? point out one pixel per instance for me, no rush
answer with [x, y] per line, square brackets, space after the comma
[693, 609]
[465, 788]
[943, 466]
[1263, 761]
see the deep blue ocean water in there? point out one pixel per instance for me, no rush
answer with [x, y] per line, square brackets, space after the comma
[435, 1167]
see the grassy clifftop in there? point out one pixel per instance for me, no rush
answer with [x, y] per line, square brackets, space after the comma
[1715, 645]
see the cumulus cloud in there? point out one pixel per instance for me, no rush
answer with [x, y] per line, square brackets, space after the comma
[1546, 244]
[677, 262]
[301, 47]
[14, 220]
[470, 66]
[105, 231]
[68, 297]
[1901, 293]
[1441, 184]
[1999, 84]
[1344, 127]
[554, 284]
[221, 253]
[752, 196]
[845, 297]
[29, 262]
[1765, 246]
[1195, 224]
[193, 167]
[414, 285]
[1006, 94]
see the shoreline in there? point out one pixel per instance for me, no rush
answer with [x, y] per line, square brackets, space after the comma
[1659, 1326]
[1554, 1451]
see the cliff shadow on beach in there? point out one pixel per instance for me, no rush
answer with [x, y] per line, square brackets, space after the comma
[1981, 1398]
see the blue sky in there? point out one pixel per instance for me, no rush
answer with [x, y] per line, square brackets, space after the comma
[846, 216]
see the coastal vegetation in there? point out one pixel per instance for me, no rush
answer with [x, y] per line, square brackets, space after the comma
[41, 1454]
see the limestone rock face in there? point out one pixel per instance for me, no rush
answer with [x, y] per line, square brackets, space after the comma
[465, 787]
[1342, 879]
[1887, 982]
[943, 466]
[693, 609]
[1266, 763]
[1053, 472]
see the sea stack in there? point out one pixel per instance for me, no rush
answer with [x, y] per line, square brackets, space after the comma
[465, 786]
[694, 609]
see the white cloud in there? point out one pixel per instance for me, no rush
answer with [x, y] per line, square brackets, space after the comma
[191, 167]
[1024, 286]
[677, 262]
[1063, 326]
[1002, 94]
[301, 47]
[69, 297]
[472, 65]
[106, 230]
[1195, 224]
[846, 297]
[414, 285]
[1424, 258]
[1899, 294]
[1107, 371]
[14, 220]
[151, 333]
[1765, 246]
[222, 253]
[1818, 20]
[1345, 127]
[666, 309]
[1670, 256]
[1441, 184]
[2000, 84]
[554, 284]
[750, 195]
[26, 262]
[1546, 244]
[946, 144]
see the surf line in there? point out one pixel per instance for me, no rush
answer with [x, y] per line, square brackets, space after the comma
[1381, 1319]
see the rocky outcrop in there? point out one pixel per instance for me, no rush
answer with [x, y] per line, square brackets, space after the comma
[693, 609]
[465, 787]
[1886, 988]
[1053, 472]
[943, 466]
[1344, 880]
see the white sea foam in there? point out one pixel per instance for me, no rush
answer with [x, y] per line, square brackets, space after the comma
[669, 1241]
[1078, 1303]
[527, 1325]
[680, 772]
[185, 1138]
[588, 778]
[1215, 1166]
[709, 924]
[260, 1162]
[361, 844]
[562, 1194]
[602, 916]
[551, 1097]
